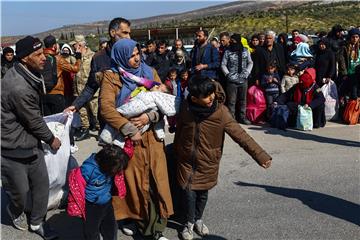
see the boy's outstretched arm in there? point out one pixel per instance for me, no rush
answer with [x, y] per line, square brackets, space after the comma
[240, 136]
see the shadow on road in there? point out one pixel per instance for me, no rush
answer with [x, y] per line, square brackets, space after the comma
[320, 202]
[306, 136]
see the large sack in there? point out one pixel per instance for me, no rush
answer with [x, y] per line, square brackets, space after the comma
[352, 112]
[331, 100]
[57, 163]
[304, 120]
[255, 104]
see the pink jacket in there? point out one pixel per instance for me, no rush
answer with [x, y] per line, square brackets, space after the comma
[77, 185]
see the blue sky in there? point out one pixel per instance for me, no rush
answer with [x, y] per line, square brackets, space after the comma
[29, 17]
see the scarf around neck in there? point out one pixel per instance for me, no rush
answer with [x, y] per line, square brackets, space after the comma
[121, 52]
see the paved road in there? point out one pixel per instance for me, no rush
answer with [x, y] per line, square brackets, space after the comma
[312, 190]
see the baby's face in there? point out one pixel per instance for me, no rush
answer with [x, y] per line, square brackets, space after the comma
[160, 88]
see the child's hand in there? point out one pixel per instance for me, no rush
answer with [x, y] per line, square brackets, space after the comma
[267, 164]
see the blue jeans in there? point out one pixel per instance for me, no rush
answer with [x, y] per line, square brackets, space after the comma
[195, 201]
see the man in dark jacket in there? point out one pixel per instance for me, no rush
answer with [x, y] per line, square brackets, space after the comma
[161, 62]
[23, 167]
[7, 60]
[270, 52]
[205, 58]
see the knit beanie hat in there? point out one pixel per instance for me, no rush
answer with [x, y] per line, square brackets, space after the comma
[354, 31]
[26, 46]
[236, 37]
[49, 41]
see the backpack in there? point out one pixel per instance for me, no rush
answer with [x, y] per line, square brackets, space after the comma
[352, 112]
[50, 73]
[255, 105]
[279, 117]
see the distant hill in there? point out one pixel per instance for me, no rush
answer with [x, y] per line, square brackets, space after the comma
[242, 16]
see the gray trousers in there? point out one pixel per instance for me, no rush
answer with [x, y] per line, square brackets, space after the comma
[236, 95]
[22, 178]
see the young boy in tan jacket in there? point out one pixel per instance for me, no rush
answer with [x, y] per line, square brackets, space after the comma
[199, 139]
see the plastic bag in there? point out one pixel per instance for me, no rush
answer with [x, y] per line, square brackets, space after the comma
[331, 100]
[304, 120]
[57, 163]
[352, 112]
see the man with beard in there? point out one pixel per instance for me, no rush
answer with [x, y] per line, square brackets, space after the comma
[23, 168]
[205, 58]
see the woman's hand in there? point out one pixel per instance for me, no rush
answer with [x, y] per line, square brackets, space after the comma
[140, 121]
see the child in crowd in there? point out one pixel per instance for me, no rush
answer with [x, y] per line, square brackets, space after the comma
[270, 81]
[91, 187]
[289, 79]
[142, 100]
[184, 78]
[201, 124]
[173, 83]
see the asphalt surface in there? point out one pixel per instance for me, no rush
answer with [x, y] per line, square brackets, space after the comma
[311, 191]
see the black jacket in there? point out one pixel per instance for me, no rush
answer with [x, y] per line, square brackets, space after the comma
[22, 124]
[325, 65]
[262, 59]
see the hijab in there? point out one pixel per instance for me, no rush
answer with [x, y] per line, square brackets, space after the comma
[121, 52]
[306, 86]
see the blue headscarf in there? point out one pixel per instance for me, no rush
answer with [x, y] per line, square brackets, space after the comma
[120, 54]
[302, 50]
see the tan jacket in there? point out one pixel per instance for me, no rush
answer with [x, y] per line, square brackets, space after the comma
[83, 75]
[62, 66]
[199, 145]
[149, 158]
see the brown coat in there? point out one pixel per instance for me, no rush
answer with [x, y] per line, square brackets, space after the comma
[149, 158]
[199, 146]
[62, 66]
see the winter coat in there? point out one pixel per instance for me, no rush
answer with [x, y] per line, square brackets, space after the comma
[22, 124]
[263, 58]
[62, 65]
[148, 160]
[325, 66]
[210, 57]
[199, 145]
[287, 82]
[77, 188]
[229, 66]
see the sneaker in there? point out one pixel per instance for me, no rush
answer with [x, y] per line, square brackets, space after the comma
[159, 236]
[45, 231]
[129, 229]
[82, 135]
[187, 232]
[20, 222]
[201, 228]
[74, 148]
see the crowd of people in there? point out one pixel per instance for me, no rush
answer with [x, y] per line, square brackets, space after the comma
[126, 88]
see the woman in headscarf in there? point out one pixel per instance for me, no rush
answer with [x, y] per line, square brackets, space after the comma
[148, 198]
[302, 57]
[324, 63]
[308, 94]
